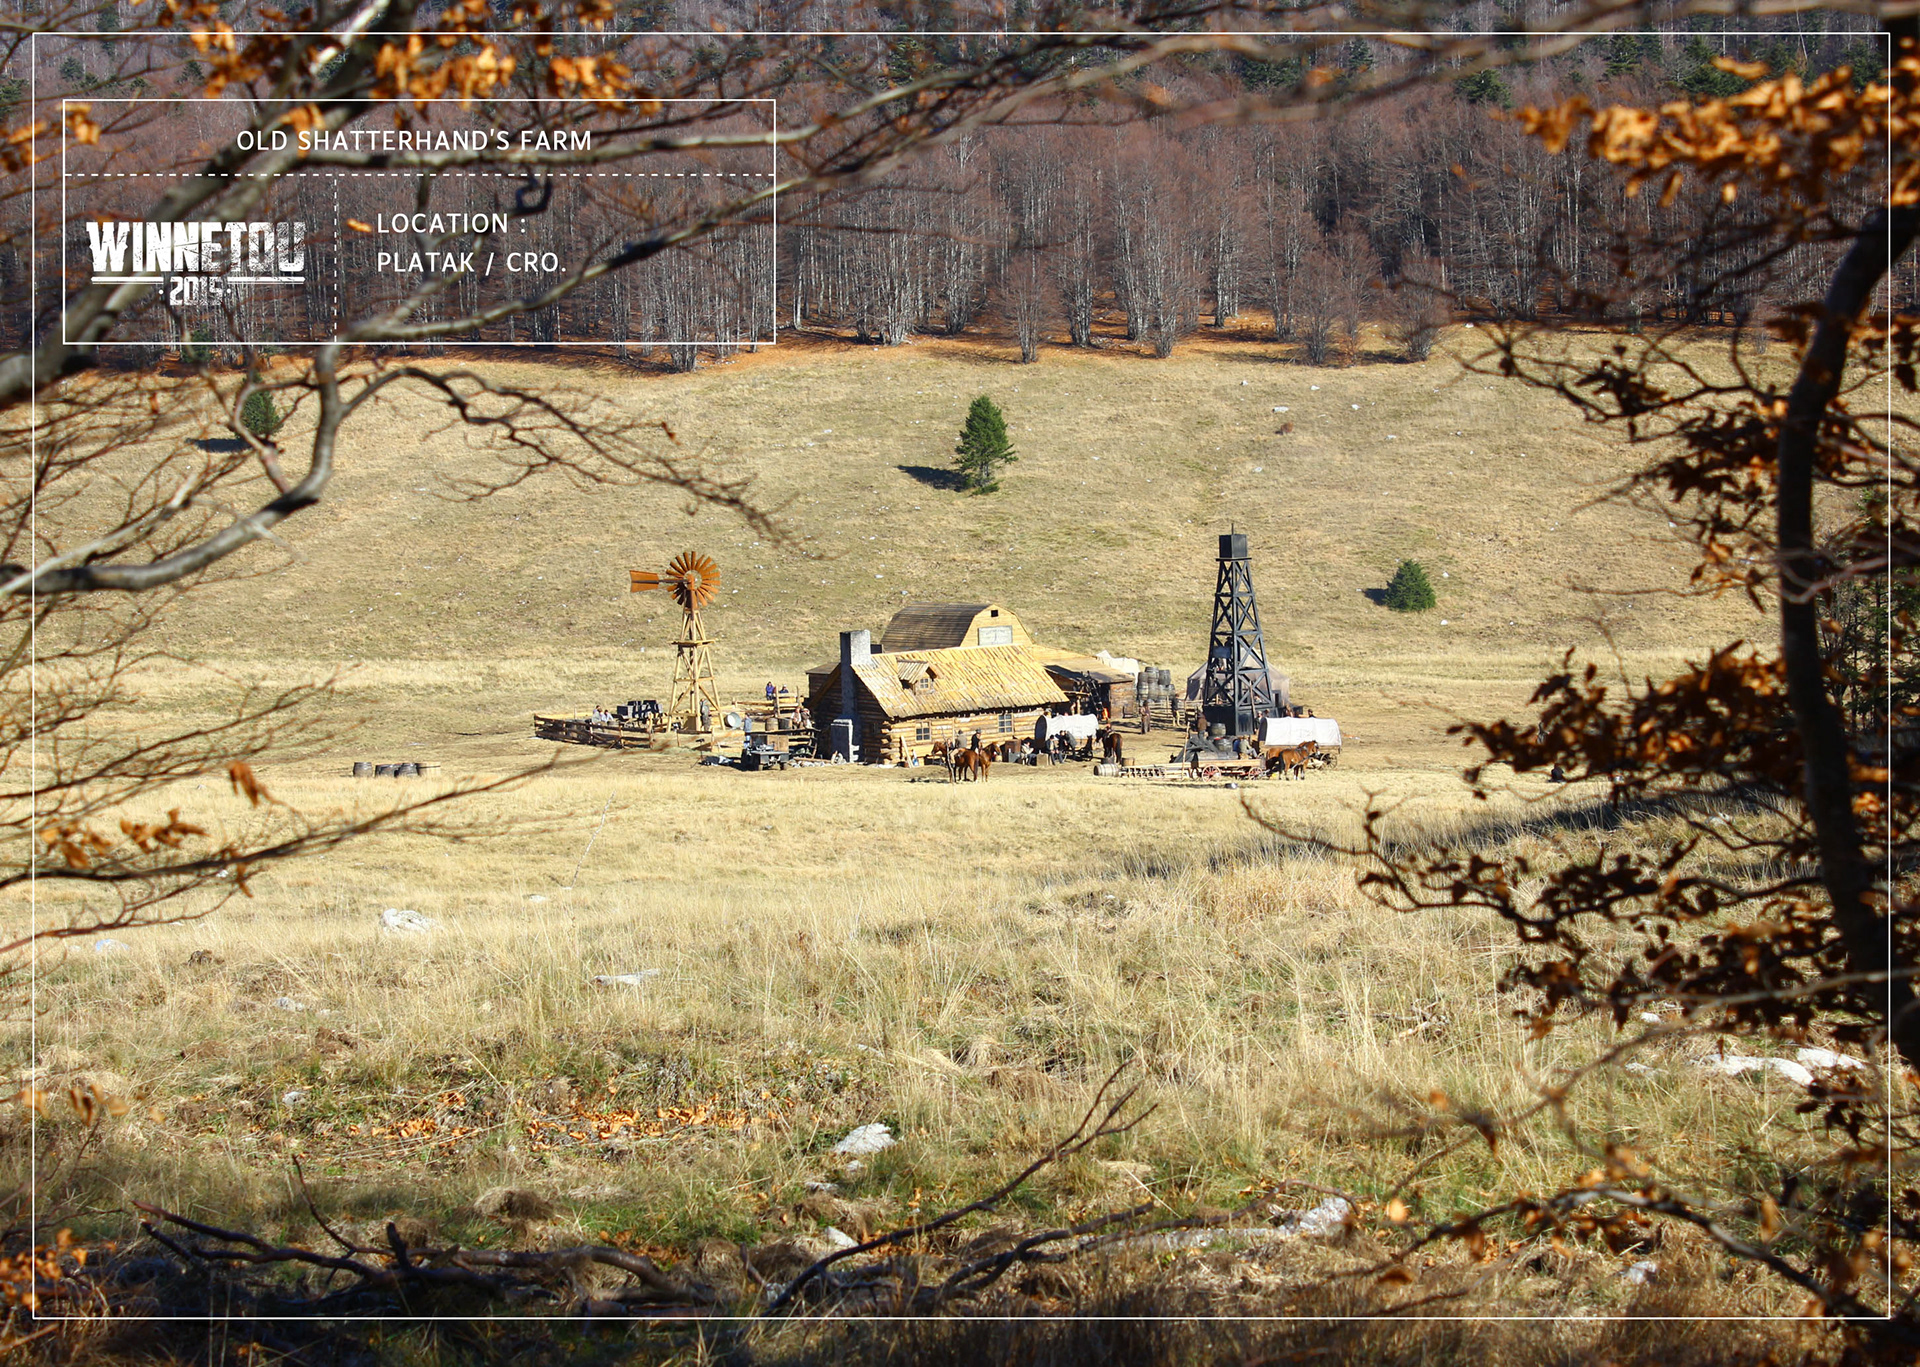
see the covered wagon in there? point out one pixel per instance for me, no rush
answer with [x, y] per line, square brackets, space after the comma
[1324, 731]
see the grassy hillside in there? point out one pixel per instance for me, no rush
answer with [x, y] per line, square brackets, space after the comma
[462, 614]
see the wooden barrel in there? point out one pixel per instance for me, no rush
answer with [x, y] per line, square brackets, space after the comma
[384, 770]
[362, 769]
[406, 771]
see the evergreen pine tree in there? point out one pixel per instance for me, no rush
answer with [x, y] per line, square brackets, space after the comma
[1623, 56]
[259, 416]
[1410, 590]
[1484, 87]
[984, 446]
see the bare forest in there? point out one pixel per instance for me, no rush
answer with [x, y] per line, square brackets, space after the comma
[1400, 211]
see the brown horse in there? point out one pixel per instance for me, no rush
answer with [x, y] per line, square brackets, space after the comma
[1290, 761]
[969, 764]
[1110, 749]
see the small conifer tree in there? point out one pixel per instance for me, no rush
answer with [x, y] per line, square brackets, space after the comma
[984, 446]
[259, 415]
[1410, 590]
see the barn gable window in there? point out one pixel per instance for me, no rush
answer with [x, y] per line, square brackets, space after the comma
[996, 636]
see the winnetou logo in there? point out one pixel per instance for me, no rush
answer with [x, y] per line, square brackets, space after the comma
[202, 263]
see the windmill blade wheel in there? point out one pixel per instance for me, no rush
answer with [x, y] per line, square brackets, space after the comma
[695, 580]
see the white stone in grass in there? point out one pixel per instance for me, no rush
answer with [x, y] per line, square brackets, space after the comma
[1650, 1017]
[1733, 1065]
[1641, 1069]
[1328, 1220]
[867, 1139]
[535, 897]
[400, 921]
[1641, 1272]
[289, 1004]
[1280, 408]
[624, 979]
[1826, 1058]
[838, 1239]
[109, 945]
[293, 1096]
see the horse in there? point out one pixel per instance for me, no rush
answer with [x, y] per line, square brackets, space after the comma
[969, 764]
[1290, 761]
[1110, 750]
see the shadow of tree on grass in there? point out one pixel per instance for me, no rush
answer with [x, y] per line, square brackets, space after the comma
[934, 477]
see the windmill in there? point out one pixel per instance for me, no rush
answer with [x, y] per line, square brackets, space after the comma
[694, 581]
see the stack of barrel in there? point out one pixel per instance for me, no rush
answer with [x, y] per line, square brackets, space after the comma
[362, 769]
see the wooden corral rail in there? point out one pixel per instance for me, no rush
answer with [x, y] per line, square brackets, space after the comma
[579, 731]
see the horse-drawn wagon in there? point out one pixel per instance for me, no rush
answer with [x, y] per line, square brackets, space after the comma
[1286, 732]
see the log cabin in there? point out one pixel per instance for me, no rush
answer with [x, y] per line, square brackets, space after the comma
[902, 702]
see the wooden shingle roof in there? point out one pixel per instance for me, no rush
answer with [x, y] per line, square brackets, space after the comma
[963, 680]
[948, 626]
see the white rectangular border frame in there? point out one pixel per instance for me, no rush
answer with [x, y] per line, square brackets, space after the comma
[32, 887]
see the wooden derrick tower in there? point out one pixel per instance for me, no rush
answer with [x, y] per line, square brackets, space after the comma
[1238, 691]
[694, 581]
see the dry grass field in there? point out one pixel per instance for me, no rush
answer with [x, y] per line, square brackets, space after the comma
[826, 948]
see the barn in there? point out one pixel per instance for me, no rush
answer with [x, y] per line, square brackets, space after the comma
[948, 626]
[895, 703]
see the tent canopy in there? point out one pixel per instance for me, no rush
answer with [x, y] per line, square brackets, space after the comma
[1278, 682]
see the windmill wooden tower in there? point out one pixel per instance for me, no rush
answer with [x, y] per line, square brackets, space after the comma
[694, 581]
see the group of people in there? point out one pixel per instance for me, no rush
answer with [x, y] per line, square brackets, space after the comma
[780, 697]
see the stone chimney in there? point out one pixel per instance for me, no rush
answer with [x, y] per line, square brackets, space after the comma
[856, 648]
